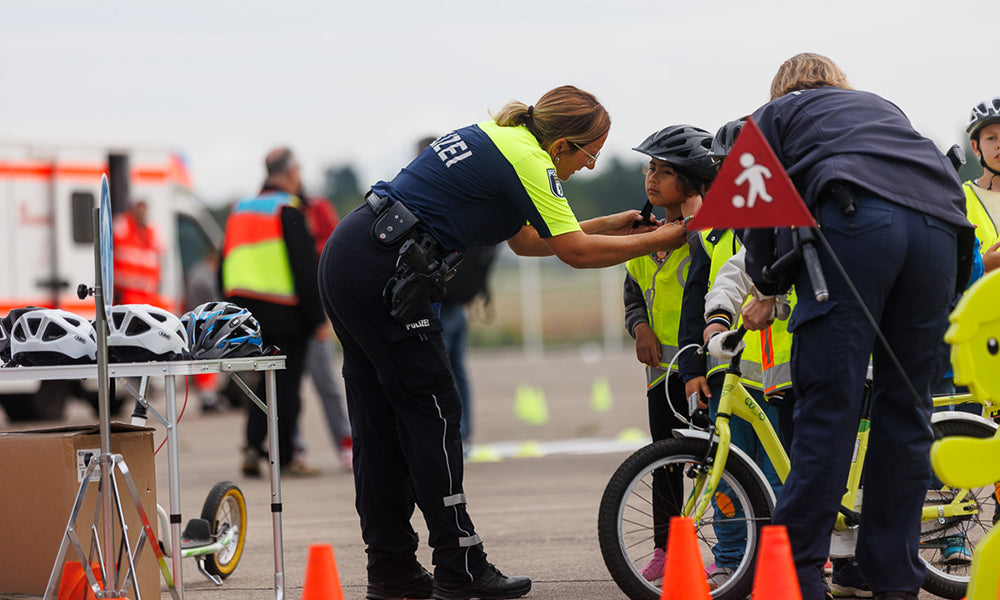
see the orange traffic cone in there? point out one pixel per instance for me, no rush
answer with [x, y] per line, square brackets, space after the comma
[322, 581]
[74, 584]
[775, 578]
[684, 574]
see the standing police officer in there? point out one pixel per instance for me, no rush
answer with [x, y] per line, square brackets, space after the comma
[379, 273]
[892, 210]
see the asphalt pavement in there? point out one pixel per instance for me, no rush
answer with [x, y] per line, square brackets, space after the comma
[533, 491]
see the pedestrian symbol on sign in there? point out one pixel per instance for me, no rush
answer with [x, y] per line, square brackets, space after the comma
[751, 190]
[754, 175]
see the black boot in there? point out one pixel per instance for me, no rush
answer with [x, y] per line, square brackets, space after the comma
[489, 585]
[418, 585]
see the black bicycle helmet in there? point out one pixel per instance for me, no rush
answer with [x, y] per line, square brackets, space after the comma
[49, 336]
[6, 325]
[222, 330]
[141, 332]
[4, 343]
[985, 113]
[684, 147]
[725, 137]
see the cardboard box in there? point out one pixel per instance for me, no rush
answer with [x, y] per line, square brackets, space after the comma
[40, 476]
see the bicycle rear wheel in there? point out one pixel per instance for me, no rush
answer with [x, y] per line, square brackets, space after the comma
[626, 527]
[960, 534]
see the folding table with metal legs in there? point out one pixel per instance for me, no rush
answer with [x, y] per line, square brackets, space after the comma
[170, 371]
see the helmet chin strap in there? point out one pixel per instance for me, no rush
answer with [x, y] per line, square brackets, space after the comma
[995, 173]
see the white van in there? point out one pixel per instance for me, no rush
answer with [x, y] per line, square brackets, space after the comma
[47, 196]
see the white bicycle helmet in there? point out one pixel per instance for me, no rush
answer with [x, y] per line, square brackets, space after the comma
[222, 330]
[983, 114]
[140, 332]
[49, 336]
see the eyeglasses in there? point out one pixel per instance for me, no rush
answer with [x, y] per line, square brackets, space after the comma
[591, 158]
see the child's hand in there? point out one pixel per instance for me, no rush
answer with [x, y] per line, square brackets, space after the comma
[647, 346]
[991, 258]
[690, 206]
[712, 329]
[698, 385]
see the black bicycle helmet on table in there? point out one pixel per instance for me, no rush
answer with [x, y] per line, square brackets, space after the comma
[49, 336]
[222, 330]
[6, 325]
[141, 332]
[686, 148]
[4, 343]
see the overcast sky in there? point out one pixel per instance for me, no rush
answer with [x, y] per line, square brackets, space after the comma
[360, 82]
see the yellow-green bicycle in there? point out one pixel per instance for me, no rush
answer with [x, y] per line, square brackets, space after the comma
[726, 493]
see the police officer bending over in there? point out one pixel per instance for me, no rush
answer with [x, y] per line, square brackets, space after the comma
[379, 273]
[892, 210]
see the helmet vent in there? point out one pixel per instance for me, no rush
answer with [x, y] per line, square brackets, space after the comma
[53, 332]
[136, 326]
[32, 323]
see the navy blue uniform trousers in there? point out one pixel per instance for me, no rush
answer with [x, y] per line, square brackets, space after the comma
[903, 263]
[405, 414]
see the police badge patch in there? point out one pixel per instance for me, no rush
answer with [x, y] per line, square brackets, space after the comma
[554, 184]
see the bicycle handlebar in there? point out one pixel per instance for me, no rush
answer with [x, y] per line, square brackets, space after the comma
[803, 249]
[731, 342]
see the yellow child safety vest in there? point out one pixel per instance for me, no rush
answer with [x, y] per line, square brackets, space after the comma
[661, 277]
[765, 363]
[986, 230]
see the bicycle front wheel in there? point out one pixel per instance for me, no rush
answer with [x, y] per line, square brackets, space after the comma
[946, 544]
[225, 510]
[635, 510]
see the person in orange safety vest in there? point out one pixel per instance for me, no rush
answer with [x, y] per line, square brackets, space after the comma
[138, 254]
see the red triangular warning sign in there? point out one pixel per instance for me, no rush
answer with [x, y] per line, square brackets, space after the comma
[752, 190]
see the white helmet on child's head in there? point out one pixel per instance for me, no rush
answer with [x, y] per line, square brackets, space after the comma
[141, 332]
[985, 113]
[49, 336]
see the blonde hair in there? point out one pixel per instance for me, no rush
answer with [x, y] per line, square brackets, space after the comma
[564, 112]
[807, 71]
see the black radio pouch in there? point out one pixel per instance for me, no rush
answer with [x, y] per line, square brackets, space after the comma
[392, 225]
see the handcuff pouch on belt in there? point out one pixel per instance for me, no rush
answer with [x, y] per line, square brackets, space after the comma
[422, 267]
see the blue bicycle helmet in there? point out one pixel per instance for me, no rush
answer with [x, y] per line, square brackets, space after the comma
[222, 330]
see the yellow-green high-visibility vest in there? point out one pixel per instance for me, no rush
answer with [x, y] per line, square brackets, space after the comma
[254, 255]
[661, 277]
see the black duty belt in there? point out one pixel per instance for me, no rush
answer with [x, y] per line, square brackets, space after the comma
[377, 203]
[422, 266]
